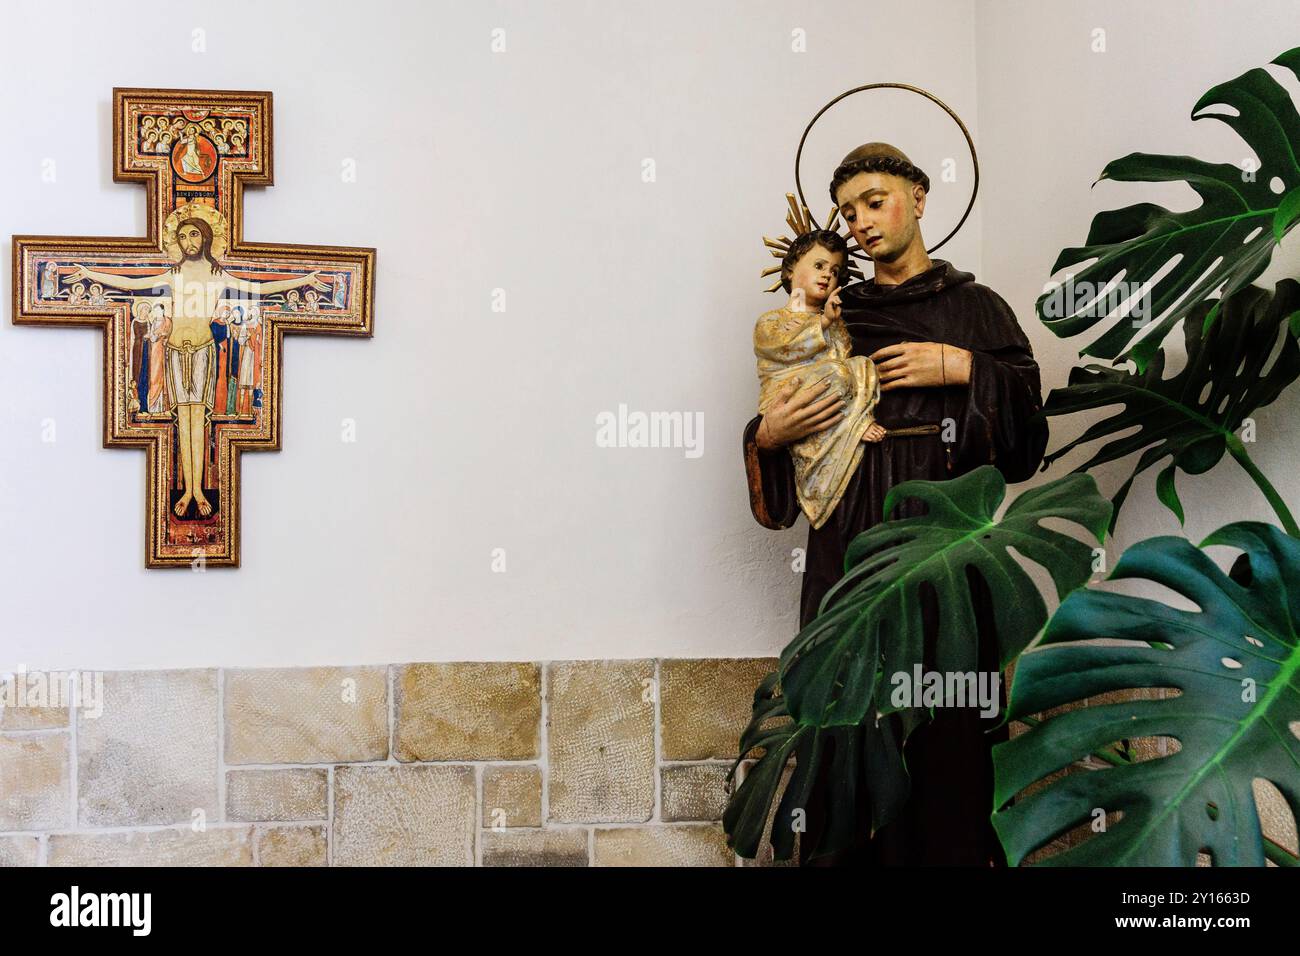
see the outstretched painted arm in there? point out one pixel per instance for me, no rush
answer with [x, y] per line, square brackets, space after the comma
[81, 273]
[311, 279]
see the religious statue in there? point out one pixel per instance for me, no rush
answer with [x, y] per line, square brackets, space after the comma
[806, 341]
[958, 387]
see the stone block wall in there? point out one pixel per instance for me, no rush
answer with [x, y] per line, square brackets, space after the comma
[565, 763]
[572, 763]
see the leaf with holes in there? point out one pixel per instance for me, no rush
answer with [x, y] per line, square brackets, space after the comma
[1191, 417]
[1236, 665]
[1222, 244]
[870, 623]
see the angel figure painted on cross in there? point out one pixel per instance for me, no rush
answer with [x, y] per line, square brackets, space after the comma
[195, 236]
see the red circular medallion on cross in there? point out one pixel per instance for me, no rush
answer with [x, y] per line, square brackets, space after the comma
[194, 157]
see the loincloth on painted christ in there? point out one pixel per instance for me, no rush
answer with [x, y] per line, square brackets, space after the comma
[791, 344]
[191, 374]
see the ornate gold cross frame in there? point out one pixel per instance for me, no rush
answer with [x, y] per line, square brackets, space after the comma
[194, 317]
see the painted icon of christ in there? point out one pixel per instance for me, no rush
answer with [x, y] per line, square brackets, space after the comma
[196, 283]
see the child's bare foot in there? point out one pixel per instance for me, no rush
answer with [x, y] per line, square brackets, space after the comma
[874, 433]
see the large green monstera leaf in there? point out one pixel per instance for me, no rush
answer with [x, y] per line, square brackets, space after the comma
[870, 624]
[867, 782]
[1236, 664]
[1189, 418]
[1222, 244]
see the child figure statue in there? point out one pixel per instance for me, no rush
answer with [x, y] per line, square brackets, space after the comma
[801, 341]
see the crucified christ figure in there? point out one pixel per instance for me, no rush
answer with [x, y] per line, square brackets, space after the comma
[196, 282]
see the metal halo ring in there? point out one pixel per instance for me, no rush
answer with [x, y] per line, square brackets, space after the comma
[895, 86]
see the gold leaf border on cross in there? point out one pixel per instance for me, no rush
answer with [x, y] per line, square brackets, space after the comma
[26, 247]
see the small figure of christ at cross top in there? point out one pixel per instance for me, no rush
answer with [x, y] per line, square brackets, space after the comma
[196, 282]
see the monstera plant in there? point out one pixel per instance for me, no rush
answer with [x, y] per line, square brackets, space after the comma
[871, 625]
[1235, 662]
[1215, 249]
[1193, 417]
[1228, 672]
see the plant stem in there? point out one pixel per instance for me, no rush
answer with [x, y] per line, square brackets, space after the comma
[1238, 451]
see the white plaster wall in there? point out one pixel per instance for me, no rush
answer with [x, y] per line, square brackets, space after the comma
[476, 430]
[522, 171]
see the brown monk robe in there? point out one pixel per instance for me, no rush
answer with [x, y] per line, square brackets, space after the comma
[946, 819]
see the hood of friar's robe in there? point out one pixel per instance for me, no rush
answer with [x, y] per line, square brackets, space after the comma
[940, 276]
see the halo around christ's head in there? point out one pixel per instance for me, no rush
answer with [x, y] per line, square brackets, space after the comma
[196, 210]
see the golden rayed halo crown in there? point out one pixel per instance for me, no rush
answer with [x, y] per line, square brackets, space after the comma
[801, 223]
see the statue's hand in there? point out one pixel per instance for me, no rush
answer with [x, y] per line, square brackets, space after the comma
[832, 310]
[921, 365]
[796, 414]
[313, 281]
[79, 274]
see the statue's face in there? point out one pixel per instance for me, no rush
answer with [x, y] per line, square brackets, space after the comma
[191, 240]
[881, 211]
[813, 276]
